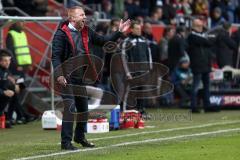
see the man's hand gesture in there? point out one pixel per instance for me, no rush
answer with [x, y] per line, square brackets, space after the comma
[62, 81]
[124, 26]
[8, 93]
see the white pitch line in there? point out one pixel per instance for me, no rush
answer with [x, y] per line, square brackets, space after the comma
[134, 142]
[166, 130]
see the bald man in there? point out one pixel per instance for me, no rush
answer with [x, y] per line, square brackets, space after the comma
[200, 57]
[75, 38]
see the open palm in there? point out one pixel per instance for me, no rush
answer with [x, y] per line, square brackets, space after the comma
[124, 26]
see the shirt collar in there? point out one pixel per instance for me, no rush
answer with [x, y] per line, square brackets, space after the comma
[71, 27]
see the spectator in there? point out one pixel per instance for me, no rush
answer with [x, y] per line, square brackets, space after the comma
[141, 9]
[118, 8]
[114, 23]
[186, 5]
[176, 47]
[156, 16]
[227, 7]
[237, 11]
[217, 18]
[140, 19]
[177, 4]
[236, 37]
[169, 13]
[147, 6]
[130, 8]
[134, 9]
[182, 79]
[139, 52]
[225, 46]
[200, 58]
[40, 7]
[147, 33]
[14, 105]
[200, 8]
[230, 9]
[216, 3]
[107, 8]
[7, 87]
[168, 34]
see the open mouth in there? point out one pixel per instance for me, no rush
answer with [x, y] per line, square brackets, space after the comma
[81, 23]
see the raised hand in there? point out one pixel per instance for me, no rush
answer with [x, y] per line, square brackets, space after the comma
[8, 93]
[124, 26]
[62, 81]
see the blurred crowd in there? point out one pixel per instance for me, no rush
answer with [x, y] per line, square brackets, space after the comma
[190, 53]
[168, 12]
[30, 7]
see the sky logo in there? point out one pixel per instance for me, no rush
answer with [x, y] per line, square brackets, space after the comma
[216, 100]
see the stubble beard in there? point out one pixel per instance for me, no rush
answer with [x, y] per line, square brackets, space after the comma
[80, 25]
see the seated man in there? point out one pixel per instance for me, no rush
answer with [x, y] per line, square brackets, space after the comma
[181, 78]
[8, 88]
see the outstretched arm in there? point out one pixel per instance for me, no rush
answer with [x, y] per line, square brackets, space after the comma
[124, 26]
[101, 40]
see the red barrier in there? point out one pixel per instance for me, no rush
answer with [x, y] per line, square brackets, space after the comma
[157, 31]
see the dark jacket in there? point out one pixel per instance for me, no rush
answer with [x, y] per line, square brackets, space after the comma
[153, 47]
[236, 37]
[180, 74]
[199, 52]
[63, 46]
[225, 47]
[136, 49]
[4, 82]
[176, 50]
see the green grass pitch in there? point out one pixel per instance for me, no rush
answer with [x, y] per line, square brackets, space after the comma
[172, 134]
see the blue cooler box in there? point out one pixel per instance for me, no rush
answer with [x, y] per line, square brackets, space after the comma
[114, 120]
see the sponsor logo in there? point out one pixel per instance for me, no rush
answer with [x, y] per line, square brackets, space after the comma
[216, 100]
[231, 100]
[225, 100]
